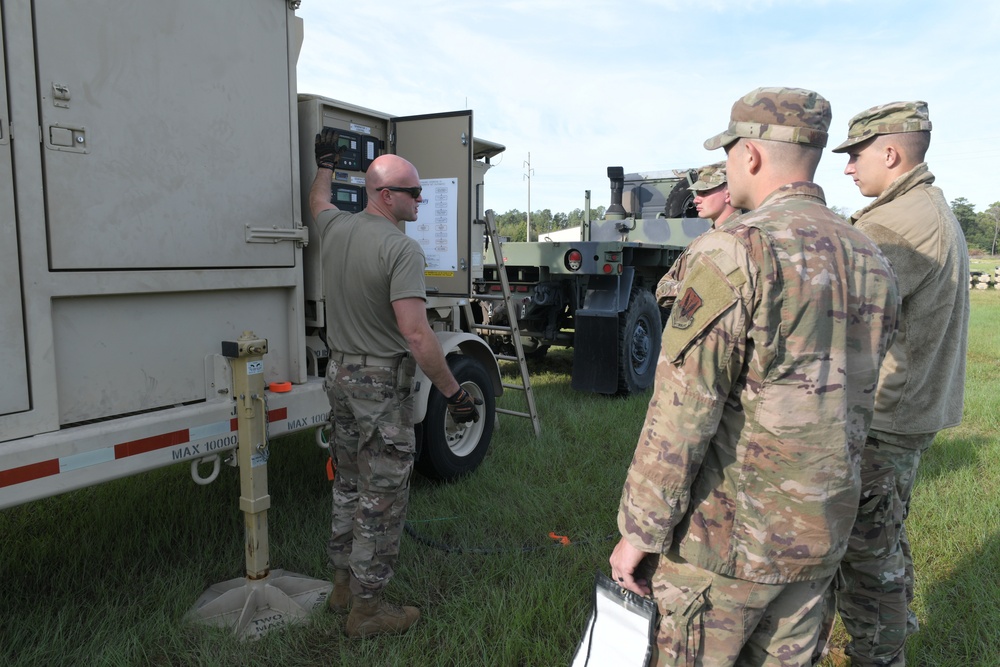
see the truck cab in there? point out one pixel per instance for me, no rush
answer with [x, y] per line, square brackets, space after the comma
[595, 293]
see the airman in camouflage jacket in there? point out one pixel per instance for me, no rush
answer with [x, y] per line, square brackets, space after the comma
[747, 464]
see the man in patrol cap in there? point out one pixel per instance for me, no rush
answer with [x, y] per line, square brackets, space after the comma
[744, 482]
[711, 196]
[921, 386]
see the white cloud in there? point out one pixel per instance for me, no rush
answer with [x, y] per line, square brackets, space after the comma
[584, 85]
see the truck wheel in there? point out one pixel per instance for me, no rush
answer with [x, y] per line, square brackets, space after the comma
[450, 450]
[680, 201]
[639, 332]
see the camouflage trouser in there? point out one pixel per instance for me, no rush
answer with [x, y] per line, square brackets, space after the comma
[373, 447]
[876, 575]
[711, 619]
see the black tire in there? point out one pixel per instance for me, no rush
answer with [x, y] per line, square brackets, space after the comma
[639, 332]
[448, 450]
[680, 201]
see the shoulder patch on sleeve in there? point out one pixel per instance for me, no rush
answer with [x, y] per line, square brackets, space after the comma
[686, 308]
[708, 290]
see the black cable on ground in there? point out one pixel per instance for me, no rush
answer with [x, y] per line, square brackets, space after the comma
[486, 551]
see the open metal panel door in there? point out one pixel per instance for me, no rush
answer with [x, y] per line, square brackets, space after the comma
[13, 360]
[166, 132]
[440, 146]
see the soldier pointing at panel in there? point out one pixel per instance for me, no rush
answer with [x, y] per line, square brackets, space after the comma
[377, 330]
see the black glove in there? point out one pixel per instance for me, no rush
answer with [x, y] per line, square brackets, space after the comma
[462, 407]
[327, 150]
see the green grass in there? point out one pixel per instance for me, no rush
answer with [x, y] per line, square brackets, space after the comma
[984, 263]
[954, 525]
[104, 576]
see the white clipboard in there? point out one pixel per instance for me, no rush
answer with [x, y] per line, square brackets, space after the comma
[621, 629]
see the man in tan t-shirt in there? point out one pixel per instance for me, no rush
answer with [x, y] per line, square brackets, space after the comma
[376, 329]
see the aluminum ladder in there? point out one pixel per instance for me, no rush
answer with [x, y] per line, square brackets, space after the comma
[511, 328]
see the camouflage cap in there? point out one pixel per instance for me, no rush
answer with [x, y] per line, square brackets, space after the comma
[709, 176]
[793, 115]
[892, 118]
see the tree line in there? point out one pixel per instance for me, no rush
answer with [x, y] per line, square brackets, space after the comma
[513, 224]
[981, 228]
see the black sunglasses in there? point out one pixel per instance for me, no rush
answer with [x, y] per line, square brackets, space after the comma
[413, 192]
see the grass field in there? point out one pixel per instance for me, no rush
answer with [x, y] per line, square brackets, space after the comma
[104, 576]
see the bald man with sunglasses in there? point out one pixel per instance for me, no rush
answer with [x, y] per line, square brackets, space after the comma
[377, 331]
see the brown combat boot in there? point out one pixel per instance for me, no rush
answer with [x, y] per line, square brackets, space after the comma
[375, 616]
[340, 597]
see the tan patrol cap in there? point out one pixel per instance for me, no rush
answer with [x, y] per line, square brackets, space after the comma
[892, 118]
[793, 115]
[709, 177]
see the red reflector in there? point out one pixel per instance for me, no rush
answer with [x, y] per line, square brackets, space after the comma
[619, 269]
[521, 288]
[573, 260]
[495, 288]
[608, 268]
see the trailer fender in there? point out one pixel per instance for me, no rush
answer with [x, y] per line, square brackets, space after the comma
[462, 343]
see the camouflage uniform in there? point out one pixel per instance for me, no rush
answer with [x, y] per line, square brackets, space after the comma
[373, 447]
[666, 289]
[745, 475]
[920, 389]
[368, 383]
[709, 177]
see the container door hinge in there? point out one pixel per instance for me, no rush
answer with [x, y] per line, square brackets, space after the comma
[298, 235]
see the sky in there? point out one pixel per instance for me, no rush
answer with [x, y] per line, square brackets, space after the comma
[579, 85]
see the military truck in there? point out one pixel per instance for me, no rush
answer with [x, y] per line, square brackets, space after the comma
[155, 159]
[595, 293]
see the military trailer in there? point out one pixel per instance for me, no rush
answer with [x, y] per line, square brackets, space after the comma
[155, 160]
[595, 293]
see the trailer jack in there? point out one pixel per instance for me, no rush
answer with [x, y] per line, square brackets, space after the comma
[265, 599]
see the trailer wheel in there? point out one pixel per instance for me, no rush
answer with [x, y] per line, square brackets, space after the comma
[639, 332]
[450, 450]
[680, 201]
